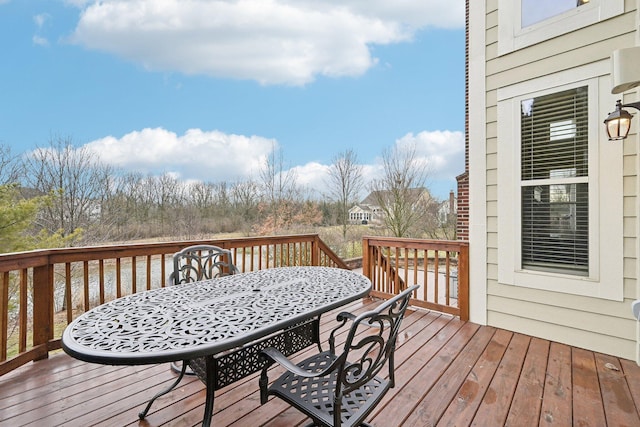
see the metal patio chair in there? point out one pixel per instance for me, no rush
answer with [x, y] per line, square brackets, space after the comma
[201, 262]
[340, 389]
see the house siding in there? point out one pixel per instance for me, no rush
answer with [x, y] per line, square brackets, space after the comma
[598, 324]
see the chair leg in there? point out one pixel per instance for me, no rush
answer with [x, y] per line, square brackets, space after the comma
[143, 414]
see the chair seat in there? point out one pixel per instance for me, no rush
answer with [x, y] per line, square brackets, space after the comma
[315, 396]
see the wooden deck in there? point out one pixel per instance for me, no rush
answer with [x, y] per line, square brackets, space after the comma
[448, 372]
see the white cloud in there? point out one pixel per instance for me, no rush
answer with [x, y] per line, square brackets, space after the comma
[41, 19]
[271, 41]
[78, 3]
[215, 156]
[196, 155]
[413, 13]
[442, 150]
[312, 176]
[40, 41]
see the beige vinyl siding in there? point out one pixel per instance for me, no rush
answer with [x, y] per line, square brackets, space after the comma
[603, 343]
[630, 187]
[630, 209]
[561, 53]
[594, 323]
[587, 323]
[491, 155]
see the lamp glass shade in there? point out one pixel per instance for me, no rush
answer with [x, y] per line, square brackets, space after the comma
[618, 124]
[618, 128]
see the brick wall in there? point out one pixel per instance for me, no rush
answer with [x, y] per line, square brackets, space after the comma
[462, 221]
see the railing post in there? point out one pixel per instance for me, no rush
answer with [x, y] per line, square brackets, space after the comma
[42, 309]
[366, 266]
[4, 314]
[463, 281]
[315, 251]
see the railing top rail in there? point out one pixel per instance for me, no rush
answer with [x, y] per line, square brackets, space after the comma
[39, 257]
[452, 245]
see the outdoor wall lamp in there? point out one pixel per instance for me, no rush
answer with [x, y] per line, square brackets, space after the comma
[619, 122]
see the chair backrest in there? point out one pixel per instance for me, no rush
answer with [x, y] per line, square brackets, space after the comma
[371, 343]
[201, 262]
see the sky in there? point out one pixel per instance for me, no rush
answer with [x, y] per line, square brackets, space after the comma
[207, 89]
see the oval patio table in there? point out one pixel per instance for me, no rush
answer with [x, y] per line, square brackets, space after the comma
[216, 326]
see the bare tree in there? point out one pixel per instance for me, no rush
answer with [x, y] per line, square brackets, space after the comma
[245, 197]
[169, 195]
[123, 207]
[9, 169]
[279, 189]
[209, 206]
[440, 222]
[201, 195]
[345, 183]
[223, 198]
[76, 176]
[400, 192]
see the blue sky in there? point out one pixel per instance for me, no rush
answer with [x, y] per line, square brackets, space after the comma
[205, 89]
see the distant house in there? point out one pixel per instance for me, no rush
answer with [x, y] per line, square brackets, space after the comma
[364, 214]
[369, 211]
[447, 211]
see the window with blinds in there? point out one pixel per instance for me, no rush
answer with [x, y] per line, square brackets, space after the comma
[554, 182]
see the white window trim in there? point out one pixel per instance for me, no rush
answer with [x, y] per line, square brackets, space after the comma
[478, 162]
[605, 278]
[511, 35]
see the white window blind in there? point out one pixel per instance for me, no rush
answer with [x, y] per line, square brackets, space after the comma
[554, 182]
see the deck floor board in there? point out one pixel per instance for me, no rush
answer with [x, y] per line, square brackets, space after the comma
[448, 373]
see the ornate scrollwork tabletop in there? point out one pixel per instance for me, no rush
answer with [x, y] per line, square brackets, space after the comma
[195, 319]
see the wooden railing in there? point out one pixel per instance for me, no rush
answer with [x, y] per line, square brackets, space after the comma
[42, 291]
[441, 267]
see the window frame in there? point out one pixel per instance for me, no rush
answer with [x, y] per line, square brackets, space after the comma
[538, 177]
[604, 278]
[512, 36]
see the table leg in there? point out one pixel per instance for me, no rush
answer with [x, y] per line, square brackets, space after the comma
[143, 414]
[210, 385]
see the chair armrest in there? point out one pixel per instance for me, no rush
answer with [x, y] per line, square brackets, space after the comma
[282, 360]
[345, 315]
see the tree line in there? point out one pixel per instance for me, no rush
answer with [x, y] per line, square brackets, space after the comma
[63, 195]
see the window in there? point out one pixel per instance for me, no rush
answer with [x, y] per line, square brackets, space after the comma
[527, 22]
[558, 186]
[534, 11]
[554, 182]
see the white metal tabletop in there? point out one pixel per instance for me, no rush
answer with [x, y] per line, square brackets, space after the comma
[203, 318]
